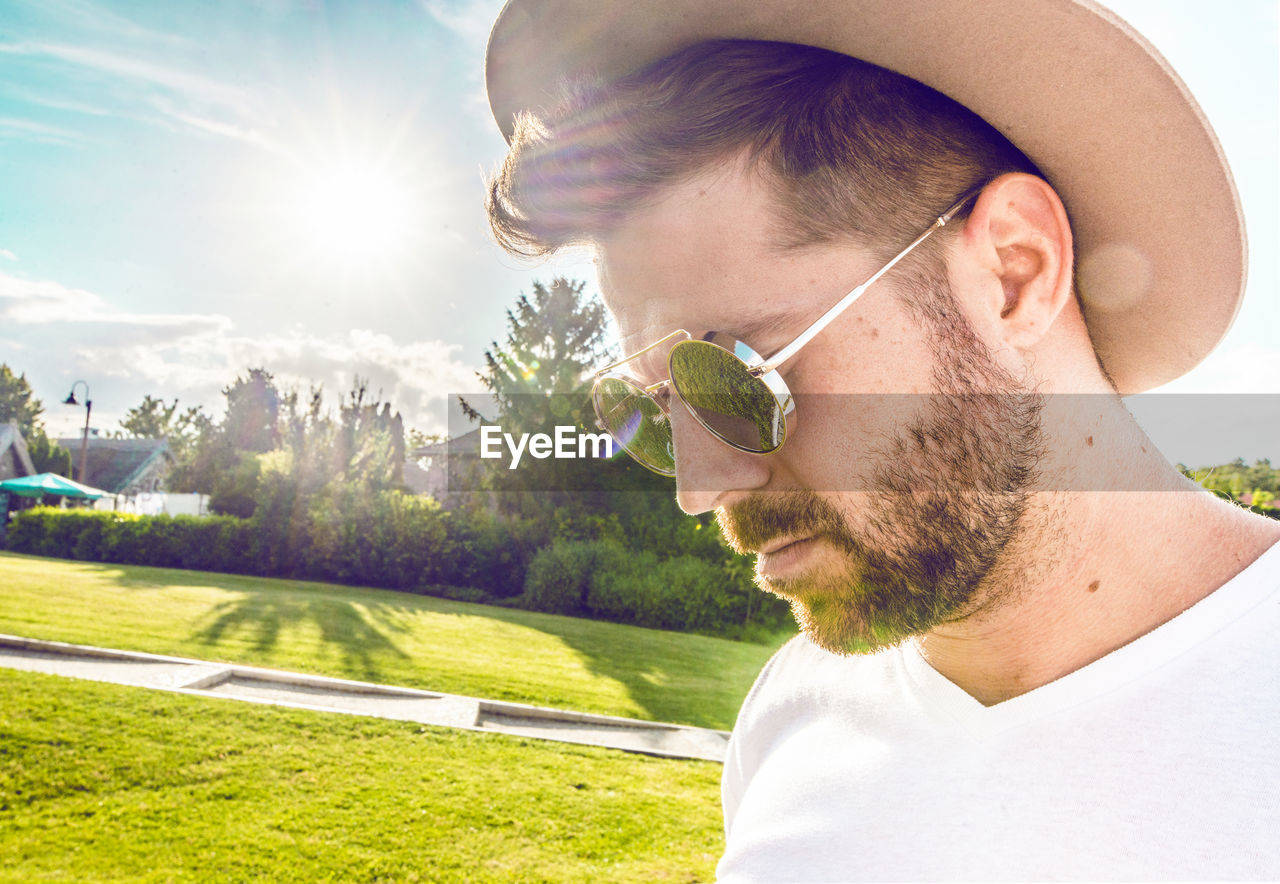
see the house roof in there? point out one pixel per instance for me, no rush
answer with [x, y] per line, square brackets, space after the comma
[15, 460]
[115, 464]
[467, 443]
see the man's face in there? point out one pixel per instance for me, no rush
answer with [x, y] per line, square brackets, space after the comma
[877, 519]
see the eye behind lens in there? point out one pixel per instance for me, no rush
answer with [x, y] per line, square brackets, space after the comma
[725, 397]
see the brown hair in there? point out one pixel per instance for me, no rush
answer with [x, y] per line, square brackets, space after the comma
[852, 149]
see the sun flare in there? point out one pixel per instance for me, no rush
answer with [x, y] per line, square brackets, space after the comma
[355, 211]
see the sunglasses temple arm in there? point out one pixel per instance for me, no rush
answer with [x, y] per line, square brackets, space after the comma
[638, 353]
[827, 318]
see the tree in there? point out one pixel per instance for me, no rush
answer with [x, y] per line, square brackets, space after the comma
[253, 409]
[205, 454]
[365, 444]
[214, 456]
[371, 439]
[541, 378]
[538, 379]
[17, 404]
[155, 419]
[555, 336]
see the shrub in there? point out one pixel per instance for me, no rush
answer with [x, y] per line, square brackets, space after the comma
[559, 578]
[621, 589]
[349, 533]
[375, 538]
[683, 592]
[489, 552]
[458, 593]
[69, 534]
[212, 543]
[281, 535]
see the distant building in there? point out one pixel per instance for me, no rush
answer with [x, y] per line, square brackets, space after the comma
[15, 460]
[122, 466]
[446, 470]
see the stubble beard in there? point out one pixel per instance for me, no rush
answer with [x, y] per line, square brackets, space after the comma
[945, 500]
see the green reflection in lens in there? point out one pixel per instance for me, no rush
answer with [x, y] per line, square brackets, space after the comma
[724, 395]
[637, 423]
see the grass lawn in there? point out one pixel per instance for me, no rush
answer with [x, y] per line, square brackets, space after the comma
[101, 782]
[382, 636]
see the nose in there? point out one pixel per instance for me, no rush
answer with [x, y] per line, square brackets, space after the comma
[708, 471]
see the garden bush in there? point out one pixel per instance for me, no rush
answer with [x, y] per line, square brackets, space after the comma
[559, 577]
[212, 543]
[351, 534]
[489, 552]
[684, 593]
[605, 580]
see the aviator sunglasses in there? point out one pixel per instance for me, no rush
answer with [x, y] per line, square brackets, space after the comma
[729, 388]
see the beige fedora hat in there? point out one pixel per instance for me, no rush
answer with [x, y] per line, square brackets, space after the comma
[1160, 242]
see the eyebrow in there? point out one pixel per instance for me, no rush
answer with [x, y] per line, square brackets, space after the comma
[752, 329]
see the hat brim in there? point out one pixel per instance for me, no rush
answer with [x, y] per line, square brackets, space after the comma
[1159, 231]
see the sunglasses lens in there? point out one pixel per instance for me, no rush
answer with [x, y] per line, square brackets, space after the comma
[726, 398]
[636, 422]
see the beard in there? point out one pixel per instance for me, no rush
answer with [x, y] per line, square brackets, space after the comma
[945, 499]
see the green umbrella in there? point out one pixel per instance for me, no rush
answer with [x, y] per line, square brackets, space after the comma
[50, 483]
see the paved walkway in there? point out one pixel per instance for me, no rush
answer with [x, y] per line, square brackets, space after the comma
[316, 692]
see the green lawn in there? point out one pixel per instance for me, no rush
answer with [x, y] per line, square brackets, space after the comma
[382, 636]
[104, 783]
[101, 782]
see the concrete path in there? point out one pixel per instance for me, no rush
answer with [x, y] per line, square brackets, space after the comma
[316, 692]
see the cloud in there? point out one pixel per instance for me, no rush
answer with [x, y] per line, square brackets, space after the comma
[29, 302]
[45, 302]
[8, 255]
[29, 96]
[221, 128]
[182, 96]
[206, 90]
[42, 133]
[469, 19]
[57, 331]
[414, 377]
[91, 16]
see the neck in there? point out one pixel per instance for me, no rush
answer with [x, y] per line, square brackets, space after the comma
[1091, 570]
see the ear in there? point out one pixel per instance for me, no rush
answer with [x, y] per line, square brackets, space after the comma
[1019, 233]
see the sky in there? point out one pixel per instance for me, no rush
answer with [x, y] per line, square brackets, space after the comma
[189, 190]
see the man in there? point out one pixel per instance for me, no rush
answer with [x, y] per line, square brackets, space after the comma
[883, 332]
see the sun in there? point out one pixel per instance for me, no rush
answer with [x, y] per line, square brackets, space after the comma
[354, 212]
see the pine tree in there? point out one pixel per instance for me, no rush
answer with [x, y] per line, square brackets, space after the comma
[555, 337]
[541, 378]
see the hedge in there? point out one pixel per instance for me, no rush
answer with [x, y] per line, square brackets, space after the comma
[602, 579]
[384, 539]
[207, 543]
[398, 541]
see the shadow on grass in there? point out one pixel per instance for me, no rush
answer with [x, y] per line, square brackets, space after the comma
[672, 676]
[669, 676]
[258, 617]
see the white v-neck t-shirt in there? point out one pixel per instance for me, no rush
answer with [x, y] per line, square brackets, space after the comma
[1160, 761]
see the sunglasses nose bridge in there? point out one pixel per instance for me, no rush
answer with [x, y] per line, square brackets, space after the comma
[660, 393]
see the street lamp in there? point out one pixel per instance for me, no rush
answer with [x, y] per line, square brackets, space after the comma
[84, 442]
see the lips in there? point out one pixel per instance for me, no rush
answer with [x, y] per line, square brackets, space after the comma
[778, 545]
